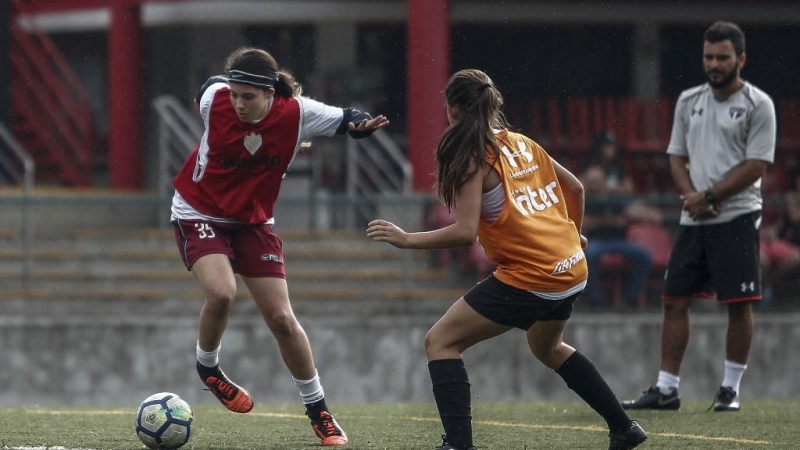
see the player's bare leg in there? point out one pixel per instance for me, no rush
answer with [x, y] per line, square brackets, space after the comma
[674, 340]
[740, 331]
[674, 335]
[216, 278]
[739, 339]
[460, 328]
[272, 298]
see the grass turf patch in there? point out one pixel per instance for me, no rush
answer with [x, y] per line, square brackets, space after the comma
[497, 425]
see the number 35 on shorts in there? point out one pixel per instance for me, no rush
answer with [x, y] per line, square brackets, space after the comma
[204, 231]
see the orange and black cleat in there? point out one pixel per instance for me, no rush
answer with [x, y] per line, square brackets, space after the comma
[328, 431]
[229, 394]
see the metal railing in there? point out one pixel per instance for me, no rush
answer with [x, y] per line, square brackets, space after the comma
[375, 165]
[63, 129]
[14, 174]
[179, 131]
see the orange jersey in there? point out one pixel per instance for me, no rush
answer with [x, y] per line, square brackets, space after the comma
[534, 243]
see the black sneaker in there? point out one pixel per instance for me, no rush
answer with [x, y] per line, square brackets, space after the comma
[628, 439]
[725, 400]
[446, 446]
[652, 398]
[227, 392]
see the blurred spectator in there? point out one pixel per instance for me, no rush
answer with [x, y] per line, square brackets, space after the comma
[606, 154]
[790, 229]
[606, 219]
[780, 258]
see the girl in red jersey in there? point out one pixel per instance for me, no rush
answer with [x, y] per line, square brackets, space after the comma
[526, 211]
[255, 120]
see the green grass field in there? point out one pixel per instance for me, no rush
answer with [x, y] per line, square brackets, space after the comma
[508, 426]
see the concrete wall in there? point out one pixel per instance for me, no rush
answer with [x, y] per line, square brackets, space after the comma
[119, 359]
[61, 212]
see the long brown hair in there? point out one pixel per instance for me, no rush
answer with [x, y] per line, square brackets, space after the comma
[260, 62]
[466, 140]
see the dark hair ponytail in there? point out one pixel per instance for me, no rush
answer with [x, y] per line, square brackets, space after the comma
[465, 142]
[287, 86]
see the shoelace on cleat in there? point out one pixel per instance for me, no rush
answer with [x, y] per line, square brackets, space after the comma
[222, 387]
[722, 396]
[328, 426]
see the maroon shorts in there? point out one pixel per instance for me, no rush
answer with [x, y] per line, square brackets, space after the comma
[254, 250]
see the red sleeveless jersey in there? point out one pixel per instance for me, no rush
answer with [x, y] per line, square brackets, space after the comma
[236, 171]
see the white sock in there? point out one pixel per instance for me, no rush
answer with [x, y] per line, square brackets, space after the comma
[310, 390]
[208, 359]
[733, 374]
[667, 381]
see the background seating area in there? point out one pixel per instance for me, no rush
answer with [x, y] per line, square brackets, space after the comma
[565, 127]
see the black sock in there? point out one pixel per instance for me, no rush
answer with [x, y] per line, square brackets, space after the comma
[583, 378]
[205, 371]
[313, 409]
[451, 392]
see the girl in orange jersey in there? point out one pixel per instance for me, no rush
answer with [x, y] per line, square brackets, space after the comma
[526, 211]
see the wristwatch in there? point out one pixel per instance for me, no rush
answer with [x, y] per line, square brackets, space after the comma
[710, 197]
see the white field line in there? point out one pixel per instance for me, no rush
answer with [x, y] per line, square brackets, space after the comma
[493, 423]
[44, 448]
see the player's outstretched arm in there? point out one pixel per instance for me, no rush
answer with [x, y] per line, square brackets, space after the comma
[360, 124]
[462, 233]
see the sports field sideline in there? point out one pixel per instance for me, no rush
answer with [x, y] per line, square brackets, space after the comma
[761, 424]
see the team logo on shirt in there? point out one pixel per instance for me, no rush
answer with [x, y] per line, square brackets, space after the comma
[523, 152]
[270, 257]
[568, 263]
[736, 112]
[528, 200]
[252, 142]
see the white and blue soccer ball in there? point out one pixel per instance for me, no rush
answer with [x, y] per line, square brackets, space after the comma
[164, 421]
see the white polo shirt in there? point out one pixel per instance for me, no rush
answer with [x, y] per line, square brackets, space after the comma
[719, 135]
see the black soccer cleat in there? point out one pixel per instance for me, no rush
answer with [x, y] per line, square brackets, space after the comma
[652, 398]
[630, 438]
[447, 446]
[726, 400]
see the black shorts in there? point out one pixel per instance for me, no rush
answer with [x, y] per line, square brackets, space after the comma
[721, 259]
[512, 307]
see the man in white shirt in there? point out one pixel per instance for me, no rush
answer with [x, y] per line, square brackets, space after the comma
[723, 139]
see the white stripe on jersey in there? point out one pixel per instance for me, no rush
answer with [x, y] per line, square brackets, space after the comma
[205, 110]
[184, 211]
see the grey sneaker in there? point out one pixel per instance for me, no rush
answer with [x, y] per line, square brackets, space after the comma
[652, 398]
[726, 400]
[628, 439]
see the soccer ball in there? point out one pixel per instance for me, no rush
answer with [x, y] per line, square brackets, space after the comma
[164, 421]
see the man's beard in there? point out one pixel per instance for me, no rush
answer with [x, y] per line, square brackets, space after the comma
[726, 80]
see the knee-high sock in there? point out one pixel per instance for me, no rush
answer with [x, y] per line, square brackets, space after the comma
[452, 395]
[583, 378]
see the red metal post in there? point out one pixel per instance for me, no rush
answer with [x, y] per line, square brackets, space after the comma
[428, 71]
[125, 152]
[5, 62]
